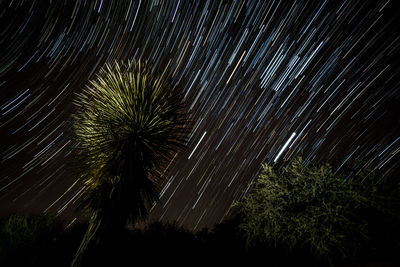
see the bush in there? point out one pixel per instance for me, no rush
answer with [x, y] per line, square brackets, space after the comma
[27, 239]
[311, 207]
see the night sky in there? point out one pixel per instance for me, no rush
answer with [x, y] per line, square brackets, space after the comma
[264, 81]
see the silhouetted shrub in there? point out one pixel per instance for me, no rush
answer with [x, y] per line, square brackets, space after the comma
[28, 239]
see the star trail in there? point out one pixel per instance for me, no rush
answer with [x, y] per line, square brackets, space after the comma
[264, 81]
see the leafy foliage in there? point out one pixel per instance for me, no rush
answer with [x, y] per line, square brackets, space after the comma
[129, 124]
[311, 207]
[27, 235]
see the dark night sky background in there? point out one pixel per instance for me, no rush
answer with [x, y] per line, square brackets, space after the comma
[264, 81]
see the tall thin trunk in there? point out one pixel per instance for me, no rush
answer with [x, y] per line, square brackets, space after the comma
[93, 228]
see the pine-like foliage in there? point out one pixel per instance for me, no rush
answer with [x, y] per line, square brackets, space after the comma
[129, 124]
[311, 207]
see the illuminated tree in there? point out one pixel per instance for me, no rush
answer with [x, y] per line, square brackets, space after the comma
[312, 207]
[129, 124]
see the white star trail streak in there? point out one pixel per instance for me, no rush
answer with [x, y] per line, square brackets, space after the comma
[198, 143]
[252, 73]
[284, 147]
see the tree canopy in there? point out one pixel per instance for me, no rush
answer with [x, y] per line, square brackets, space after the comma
[314, 206]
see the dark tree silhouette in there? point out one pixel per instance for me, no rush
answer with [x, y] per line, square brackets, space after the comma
[129, 124]
[27, 239]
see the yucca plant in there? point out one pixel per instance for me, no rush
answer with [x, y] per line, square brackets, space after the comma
[129, 124]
